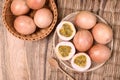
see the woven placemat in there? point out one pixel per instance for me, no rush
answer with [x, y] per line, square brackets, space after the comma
[110, 11]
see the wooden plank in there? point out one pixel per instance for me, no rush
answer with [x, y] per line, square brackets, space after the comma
[16, 65]
[1, 51]
[36, 58]
[1, 44]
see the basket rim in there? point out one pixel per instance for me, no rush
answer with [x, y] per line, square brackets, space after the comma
[38, 37]
[70, 68]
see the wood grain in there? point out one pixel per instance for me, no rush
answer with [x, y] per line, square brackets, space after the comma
[1, 51]
[28, 60]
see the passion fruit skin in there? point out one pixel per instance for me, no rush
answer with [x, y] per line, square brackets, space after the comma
[43, 18]
[102, 33]
[83, 40]
[24, 25]
[35, 4]
[99, 53]
[85, 20]
[19, 7]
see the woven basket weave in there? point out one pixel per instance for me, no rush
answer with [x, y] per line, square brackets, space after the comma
[8, 20]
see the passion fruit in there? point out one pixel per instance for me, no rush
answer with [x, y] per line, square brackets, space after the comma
[85, 20]
[81, 62]
[102, 33]
[65, 50]
[83, 40]
[66, 30]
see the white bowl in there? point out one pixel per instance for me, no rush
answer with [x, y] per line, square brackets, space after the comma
[56, 40]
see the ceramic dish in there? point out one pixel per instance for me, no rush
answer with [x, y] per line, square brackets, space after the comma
[56, 40]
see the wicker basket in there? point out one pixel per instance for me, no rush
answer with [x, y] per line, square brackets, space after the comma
[8, 20]
[56, 40]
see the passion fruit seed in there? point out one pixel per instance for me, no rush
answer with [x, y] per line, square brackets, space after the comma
[80, 61]
[66, 30]
[64, 50]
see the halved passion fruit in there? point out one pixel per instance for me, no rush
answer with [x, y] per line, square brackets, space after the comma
[65, 50]
[81, 62]
[66, 30]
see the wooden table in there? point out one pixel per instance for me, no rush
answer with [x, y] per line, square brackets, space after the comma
[27, 60]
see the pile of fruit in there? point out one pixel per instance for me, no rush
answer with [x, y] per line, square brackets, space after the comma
[30, 15]
[84, 40]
